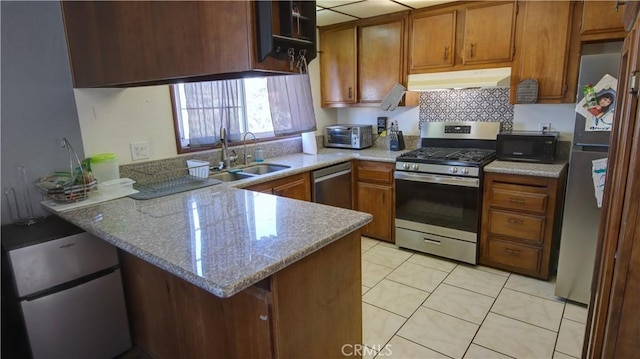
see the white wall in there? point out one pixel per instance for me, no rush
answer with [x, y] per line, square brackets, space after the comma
[407, 117]
[110, 119]
[526, 117]
[561, 117]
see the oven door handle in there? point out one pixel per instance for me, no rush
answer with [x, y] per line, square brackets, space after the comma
[449, 180]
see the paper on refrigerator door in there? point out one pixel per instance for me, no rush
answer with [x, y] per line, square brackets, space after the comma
[599, 112]
[599, 172]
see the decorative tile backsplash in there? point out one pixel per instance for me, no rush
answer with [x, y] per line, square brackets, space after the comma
[487, 104]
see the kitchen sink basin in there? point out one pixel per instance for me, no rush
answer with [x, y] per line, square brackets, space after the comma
[248, 172]
[263, 168]
[231, 176]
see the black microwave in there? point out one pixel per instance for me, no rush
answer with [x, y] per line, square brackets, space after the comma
[527, 146]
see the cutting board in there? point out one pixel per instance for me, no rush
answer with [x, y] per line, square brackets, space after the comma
[94, 198]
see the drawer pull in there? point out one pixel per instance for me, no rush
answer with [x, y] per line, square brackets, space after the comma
[515, 221]
[516, 200]
[432, 241]
[512, 252]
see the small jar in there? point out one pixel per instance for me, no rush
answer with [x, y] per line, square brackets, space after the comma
[258, 154]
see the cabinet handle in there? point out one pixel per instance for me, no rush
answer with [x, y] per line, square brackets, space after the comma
[513, 252]
[516, 200]
[446, 49]
[350, 92]
[472, 46]
[618, 3]
[515, 221]
[383, 197]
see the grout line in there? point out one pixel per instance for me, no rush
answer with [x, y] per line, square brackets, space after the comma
[493, 350]
[486, 315]
[433, 350]
[508, 276]
[573, 320]
[522, 321]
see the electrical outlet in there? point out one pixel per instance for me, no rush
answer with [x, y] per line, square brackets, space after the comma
[544, 126]
[139, 151]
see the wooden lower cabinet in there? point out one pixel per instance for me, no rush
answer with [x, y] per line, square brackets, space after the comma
[375, 194]
[520, 229]
[309, 309]
[295, 186]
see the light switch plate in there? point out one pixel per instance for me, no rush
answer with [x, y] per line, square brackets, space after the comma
[140, 151]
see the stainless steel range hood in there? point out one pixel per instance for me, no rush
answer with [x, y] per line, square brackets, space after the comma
[496, 77]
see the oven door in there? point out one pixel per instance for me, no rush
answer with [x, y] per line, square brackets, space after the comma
[442, 205]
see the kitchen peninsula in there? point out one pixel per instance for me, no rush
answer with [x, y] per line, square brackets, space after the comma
[224, 272]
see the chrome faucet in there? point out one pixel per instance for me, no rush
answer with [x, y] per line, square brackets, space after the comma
[227, 158]
[244, 146]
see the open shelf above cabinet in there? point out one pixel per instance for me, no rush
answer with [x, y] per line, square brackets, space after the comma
[285, 25]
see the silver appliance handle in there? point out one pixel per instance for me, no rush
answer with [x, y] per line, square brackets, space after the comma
[328, 177]
[429, 178]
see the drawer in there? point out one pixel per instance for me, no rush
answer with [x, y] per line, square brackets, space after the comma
[523, 201]
[375, 172]
[517, 226]
[441, 246]
[512, 255]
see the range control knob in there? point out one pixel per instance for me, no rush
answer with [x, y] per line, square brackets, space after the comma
[405, 166]
[465, 171]
[453, 169]
[415, 167]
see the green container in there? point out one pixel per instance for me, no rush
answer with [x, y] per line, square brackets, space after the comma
[104, 167]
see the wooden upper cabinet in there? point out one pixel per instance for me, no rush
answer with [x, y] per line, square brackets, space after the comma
[548, 50]
[465, 36]
[489, 33]
[602, 21]
[130, 43]
[338, 67]
[433, 39]
[360, 61]
[381, 59]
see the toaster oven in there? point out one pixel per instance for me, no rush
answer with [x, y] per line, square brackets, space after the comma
[348, 136]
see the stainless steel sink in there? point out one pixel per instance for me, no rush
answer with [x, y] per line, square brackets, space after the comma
[231, 176]
[248, 172]
[263, 168]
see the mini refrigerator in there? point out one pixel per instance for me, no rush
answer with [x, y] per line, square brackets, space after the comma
[67, 290]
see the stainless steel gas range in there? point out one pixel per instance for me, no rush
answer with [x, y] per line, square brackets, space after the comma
[439, 189]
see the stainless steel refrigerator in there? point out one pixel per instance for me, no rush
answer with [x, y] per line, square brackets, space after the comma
[581, 215]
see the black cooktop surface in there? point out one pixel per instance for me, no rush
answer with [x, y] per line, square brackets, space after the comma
[447, 155]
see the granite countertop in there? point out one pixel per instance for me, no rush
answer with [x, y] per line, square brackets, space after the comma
[224, 239]
[301, 162]
[219, 238]
[528, 169]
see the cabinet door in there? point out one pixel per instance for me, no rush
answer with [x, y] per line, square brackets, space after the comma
[376, 200]
[296, 189]
[433, 36]
[125, 42]
[601, 21]
[545, 50]
[489, 33]
[381, 60]
[338, 66]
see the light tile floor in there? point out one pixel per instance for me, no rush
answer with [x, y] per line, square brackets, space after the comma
[420, 306]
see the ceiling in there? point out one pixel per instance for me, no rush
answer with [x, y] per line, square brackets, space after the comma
[335, 11]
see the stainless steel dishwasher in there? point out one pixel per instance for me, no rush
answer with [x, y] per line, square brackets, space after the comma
[332, 185]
